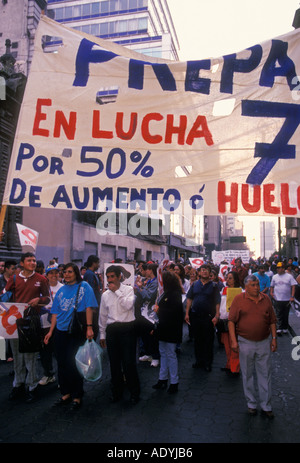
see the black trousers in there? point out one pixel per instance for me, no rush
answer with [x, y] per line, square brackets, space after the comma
[69, 379]
[203, 332]
[282, 310]
[121, 344]
[46, 355]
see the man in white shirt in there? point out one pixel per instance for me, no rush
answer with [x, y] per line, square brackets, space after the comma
[282, 292]
[118, 333]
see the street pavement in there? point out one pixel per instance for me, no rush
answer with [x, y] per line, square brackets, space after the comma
[208, 408]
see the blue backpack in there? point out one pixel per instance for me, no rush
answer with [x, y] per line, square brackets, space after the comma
[8, 296]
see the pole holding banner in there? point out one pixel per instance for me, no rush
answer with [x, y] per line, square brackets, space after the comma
[2, 218]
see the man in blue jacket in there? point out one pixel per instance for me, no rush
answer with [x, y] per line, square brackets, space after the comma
[93, 280]
[147, 294]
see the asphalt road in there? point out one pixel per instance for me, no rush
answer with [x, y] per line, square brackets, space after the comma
[209, 408]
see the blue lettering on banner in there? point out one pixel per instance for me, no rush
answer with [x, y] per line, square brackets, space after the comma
[85, 56]
[34, 196]
[26, 151]
[79, 197]
[286, 68]
[101, 195]
[194, 83]
[18, 193]
[61, 196]
[277, 64]
[279, 148]
[85, 160]
[161, 70]
[232, 65]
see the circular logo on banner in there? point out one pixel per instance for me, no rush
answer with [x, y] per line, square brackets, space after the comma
[29, 235]
[9, 319]
[197, 262]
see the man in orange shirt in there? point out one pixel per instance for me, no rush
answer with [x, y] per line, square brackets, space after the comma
[251, 322]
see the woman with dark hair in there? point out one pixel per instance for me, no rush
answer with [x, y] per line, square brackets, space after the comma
[169, 331]
[74, 295]
[180, 272]
[215, 277]
[233, 364]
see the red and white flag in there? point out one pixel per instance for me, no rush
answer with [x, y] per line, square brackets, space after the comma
[224, 269]
[27, 236]
[196, 262]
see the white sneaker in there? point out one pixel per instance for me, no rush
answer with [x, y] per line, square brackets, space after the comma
[145, 358]
[46, 380]
[285, 331]
[154, 363]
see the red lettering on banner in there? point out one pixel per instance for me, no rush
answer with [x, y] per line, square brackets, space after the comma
[269, 199]
[232, 199]
[285, 201]
[265, 199]
[39, 116]
[68, 127]
[96, 132]
[154, 139]
[180, 130]
[204, 132]
[251, 208]
[132, 128]
[163, 131]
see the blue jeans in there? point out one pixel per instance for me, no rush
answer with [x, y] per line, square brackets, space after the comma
[168, 362]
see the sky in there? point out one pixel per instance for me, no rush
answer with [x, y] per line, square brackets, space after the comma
[210, 29]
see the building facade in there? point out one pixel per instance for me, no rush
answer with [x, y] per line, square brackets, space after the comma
[145, 26]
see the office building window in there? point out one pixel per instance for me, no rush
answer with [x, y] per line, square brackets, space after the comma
[76, 11]
[95, 8]
[68, 13]
[104, 29]
[95, 29]
[104, 7]
[133, 4]
[86, 9]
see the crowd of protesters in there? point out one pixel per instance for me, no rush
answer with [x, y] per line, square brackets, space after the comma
[145, 321]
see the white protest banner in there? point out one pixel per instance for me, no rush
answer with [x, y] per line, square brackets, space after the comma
[160, 270]
[9, 312]
[230, 124]
[196, 262]
[27, 236]
[2, 349]
[229, 255]
[127, 271]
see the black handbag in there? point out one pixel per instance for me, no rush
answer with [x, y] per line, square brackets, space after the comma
[30, 331]
[76, 327]
[222, 325]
